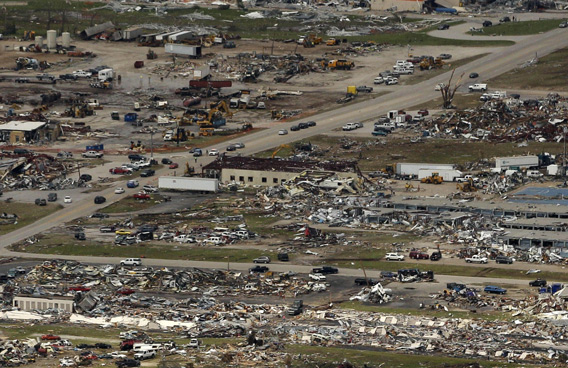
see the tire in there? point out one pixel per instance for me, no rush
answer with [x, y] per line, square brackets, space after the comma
[122, 263]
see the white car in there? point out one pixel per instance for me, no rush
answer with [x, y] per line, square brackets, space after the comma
[118, 355]
[214, 152]
[66, 362]
[119, 190]
[184, 239]
[82, 74]
[379, 80]
[391, 80]
[282, 132]
[317, 277]
[394, 257]
[67, 199]
[193, 343]
[150, 189]
[439, 86]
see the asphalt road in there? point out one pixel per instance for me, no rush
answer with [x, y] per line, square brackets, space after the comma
[502, 60]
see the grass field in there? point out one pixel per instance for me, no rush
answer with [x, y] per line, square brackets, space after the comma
[27, 213]
[378, 358]
[549, 74]
[421, 77]
[65, 244]
[129, 204]
[529, 27]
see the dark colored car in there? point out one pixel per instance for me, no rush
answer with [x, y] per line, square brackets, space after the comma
[487, 23]
[443, 27]
[436, 256]
[325, 270]
[503, 259]
[364, 281]
[494, 290]
[259, 269]
[166, 161]
[80, 236]
[538, 283]
[504, 20]
[52, 197]
[294, 128]
[283, 257]
[311, 123]
[41, 202]
[141, 196]
[455, 286]
[100, 199]
[418, 255]
[107, 229]
[473, 75]
[99, 215]
[67, 77]
[50, 337]
[102, 345]
[303, 126]
[388, 274]
[86, 177]
[127, 363]
[147, 173]
[135, 157]
[231, 148]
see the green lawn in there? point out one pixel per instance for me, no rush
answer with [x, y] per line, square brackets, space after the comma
[129, 204]
[529, 27]
[65, 244]
[377, 358]
[548, 74]
[449, 64]
[27, 213]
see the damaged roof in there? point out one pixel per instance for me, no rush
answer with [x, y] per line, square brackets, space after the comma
[267, 164]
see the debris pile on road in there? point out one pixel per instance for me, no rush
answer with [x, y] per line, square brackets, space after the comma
[375, 294]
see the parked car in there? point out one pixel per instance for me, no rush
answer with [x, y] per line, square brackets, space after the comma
[52, 197]
[125, 291]
[282, 132]
[147, 173]
[82, 74]
[538, 283]
[258, 269]
[394, 257]
[213, 152]
[418, 255]
[107, 229]
[150, 189]
[92, 154]
[365, 281]
[283, 257]
[378, 80]
[364, 89]
[79, 288]
[262, 259]
[41, 202]
[445, 56]
[294, 128]
[503, 259]
[127, 363]
[443, 27]
[50, 337]
[85, 177]
[100, 199]
[436, 256]
[166, 161]
[504, 20]
[67, 77]
[119, 190]
[132, 183]
[174, 165]
[491, 289]
[80, 236]
[487, 23]
[120, 171]
[563, 25]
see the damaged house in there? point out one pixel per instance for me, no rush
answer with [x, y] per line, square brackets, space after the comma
[15, 132]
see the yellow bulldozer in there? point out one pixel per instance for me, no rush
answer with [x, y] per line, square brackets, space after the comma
[435, 178]
[467, 187]
[431, 63]
[206, 132]
[338, 64]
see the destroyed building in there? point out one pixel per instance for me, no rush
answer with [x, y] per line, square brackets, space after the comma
[42, 303]
[270, 172]
[15, 132]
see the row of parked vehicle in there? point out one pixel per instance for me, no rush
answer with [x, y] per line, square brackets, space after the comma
[414, 254]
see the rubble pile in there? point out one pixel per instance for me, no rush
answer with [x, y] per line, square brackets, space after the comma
[505, 120]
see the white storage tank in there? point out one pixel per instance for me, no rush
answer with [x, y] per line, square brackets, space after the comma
[66, 39]
[52, 39]
[39, 41]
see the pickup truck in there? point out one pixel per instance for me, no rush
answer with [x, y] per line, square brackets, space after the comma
[478, 87]
[92, 154]
[476, 259]
[317, 277]
[325, 270]
[350, 126]
[141, 196]
[364, 89]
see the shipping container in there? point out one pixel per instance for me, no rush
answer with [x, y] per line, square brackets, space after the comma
[414, 168]
[522, 162]
[446, 174]
[187, 50]
[212, 84]
[96, 147]
[202, 72]
[131, 33]
[180, 36]
[188, 184]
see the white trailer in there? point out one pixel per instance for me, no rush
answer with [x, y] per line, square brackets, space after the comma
[202, 72]
[131, 33]
[188, 184]
[446, 174]
[522, 162]
[164, 36]
[179, 49]
[413, 169]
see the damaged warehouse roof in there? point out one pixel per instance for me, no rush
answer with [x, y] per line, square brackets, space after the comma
[267, 164]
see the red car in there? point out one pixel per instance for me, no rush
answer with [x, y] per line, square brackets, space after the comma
[120, 170]
[125, 291]
[50, 337]
[79, 288]
[141, 196]
[174, 165]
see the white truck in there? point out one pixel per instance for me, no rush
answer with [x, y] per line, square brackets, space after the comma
[476, 259]
[92, 154]
[106, 75]
[350, 126]
[188, 183]
[317, 277]
[478, 87]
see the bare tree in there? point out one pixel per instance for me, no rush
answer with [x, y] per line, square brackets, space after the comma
[448, 91]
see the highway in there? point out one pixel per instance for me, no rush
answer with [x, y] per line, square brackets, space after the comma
[492, 65]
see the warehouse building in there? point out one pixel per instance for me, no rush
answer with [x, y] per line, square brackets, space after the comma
[31, 303]
[397, 5]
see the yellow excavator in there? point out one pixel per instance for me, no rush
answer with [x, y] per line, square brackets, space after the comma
[279, 148]
[434, 179]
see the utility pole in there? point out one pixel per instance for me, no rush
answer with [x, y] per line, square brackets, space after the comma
[152, 144]
[564, 130]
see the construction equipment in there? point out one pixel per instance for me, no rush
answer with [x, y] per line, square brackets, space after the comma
[206, 132]
[101, 85]
[434, 179]
[333, 42]
[29, 36]
[189, 170]
[311, 40]
[408, 187]
[278, 149]
[221, 106]
[467, 187]
[151, 55]
[431, 63]
[340, 64]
